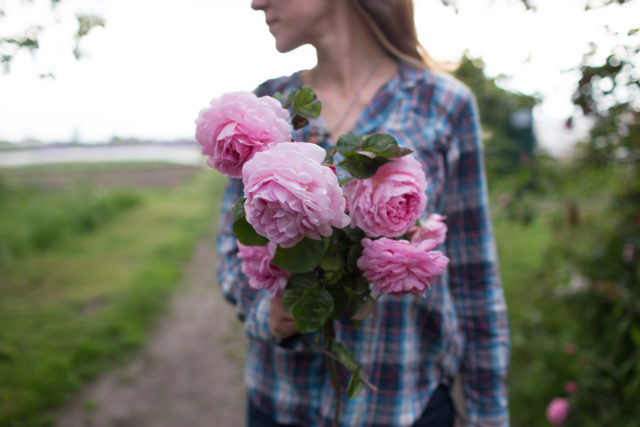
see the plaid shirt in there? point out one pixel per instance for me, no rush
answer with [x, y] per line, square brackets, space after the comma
[410, 344]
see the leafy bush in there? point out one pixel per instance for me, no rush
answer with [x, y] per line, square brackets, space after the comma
[602, 298]
[33, 220]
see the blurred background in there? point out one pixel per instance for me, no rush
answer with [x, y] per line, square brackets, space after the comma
[109, 309]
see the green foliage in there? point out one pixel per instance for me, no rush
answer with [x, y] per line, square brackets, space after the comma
[355, 385]
[362, 166]
[601, 252]
[301, 258]
[246, 234]
[85, 24]
[302, 105]
[33, 220]
[589, 303]
[363, 155]
[608, 91]
[296, 286]
[312, 311]
[506, 147]
[29, 38]
[601, 248]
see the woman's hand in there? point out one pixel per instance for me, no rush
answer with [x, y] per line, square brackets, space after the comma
[281, 323]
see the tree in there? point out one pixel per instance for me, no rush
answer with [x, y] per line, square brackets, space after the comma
[508, 143]
[28, 38]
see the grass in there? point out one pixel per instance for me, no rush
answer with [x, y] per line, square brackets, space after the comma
[33, 220]
[521, 251]
[73, 310]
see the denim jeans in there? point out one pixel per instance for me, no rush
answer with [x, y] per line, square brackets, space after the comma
[440, 412]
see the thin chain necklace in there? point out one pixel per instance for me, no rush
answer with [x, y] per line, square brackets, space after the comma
[355, 96]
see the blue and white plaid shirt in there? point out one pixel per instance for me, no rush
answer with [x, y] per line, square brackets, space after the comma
[410, 344]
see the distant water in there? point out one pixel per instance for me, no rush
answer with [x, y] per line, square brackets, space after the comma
[180, 153]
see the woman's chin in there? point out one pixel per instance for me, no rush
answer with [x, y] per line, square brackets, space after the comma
[286, 46]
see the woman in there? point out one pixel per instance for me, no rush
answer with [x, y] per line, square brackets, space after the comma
[372, 75]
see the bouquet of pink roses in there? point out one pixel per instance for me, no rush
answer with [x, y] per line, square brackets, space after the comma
[329, 247]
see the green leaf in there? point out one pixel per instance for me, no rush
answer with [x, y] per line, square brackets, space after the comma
[289, 101]
[340, 301]
[332, 263]
[345, 357]
[303, 98]
[384, 145]
[348, 142]
[328, 160]
[361, 166]
[330, 278]
[355, 293]
[364, 311]
[278, 97]
[296, 286]
[378, 142]
[354, 234]
[312, 110]
[395, 152]
[237, 210]
[355, 384]
[313, 310]
[302, 258]
[246, 234]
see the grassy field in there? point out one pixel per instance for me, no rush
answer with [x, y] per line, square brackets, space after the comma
[79, 303]
[521, 252]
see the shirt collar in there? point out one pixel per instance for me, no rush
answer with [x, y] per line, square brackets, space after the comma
[409, 75]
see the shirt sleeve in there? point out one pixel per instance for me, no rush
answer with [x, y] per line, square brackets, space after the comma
[252, 306]
[473, 273]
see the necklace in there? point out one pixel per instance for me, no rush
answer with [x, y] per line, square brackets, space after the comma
[354, 98]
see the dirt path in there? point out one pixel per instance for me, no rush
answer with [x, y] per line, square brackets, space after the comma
[189, 374]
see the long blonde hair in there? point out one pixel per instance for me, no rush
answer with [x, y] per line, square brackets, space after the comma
[393, 25]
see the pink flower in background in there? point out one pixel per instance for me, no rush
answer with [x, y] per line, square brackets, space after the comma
[256, 265]
[237, 125]
[431, 233]
[570, 348]
[397, 267]
[291, 195]
[558, 411]
[570, 387]
[391, 201]
[628, 253]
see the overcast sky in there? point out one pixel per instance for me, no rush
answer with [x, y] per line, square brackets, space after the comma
[158, 62]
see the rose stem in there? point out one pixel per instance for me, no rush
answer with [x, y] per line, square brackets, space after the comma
[333, 368]
[334, 357]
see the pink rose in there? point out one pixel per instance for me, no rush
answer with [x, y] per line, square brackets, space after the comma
[570, 387]
[391, 201]
[558, 411]
[397, 267]
[431, 233]
[256, 265]
[291, 195]
[237, 125]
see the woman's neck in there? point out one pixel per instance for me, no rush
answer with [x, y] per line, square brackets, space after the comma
[347, 53]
